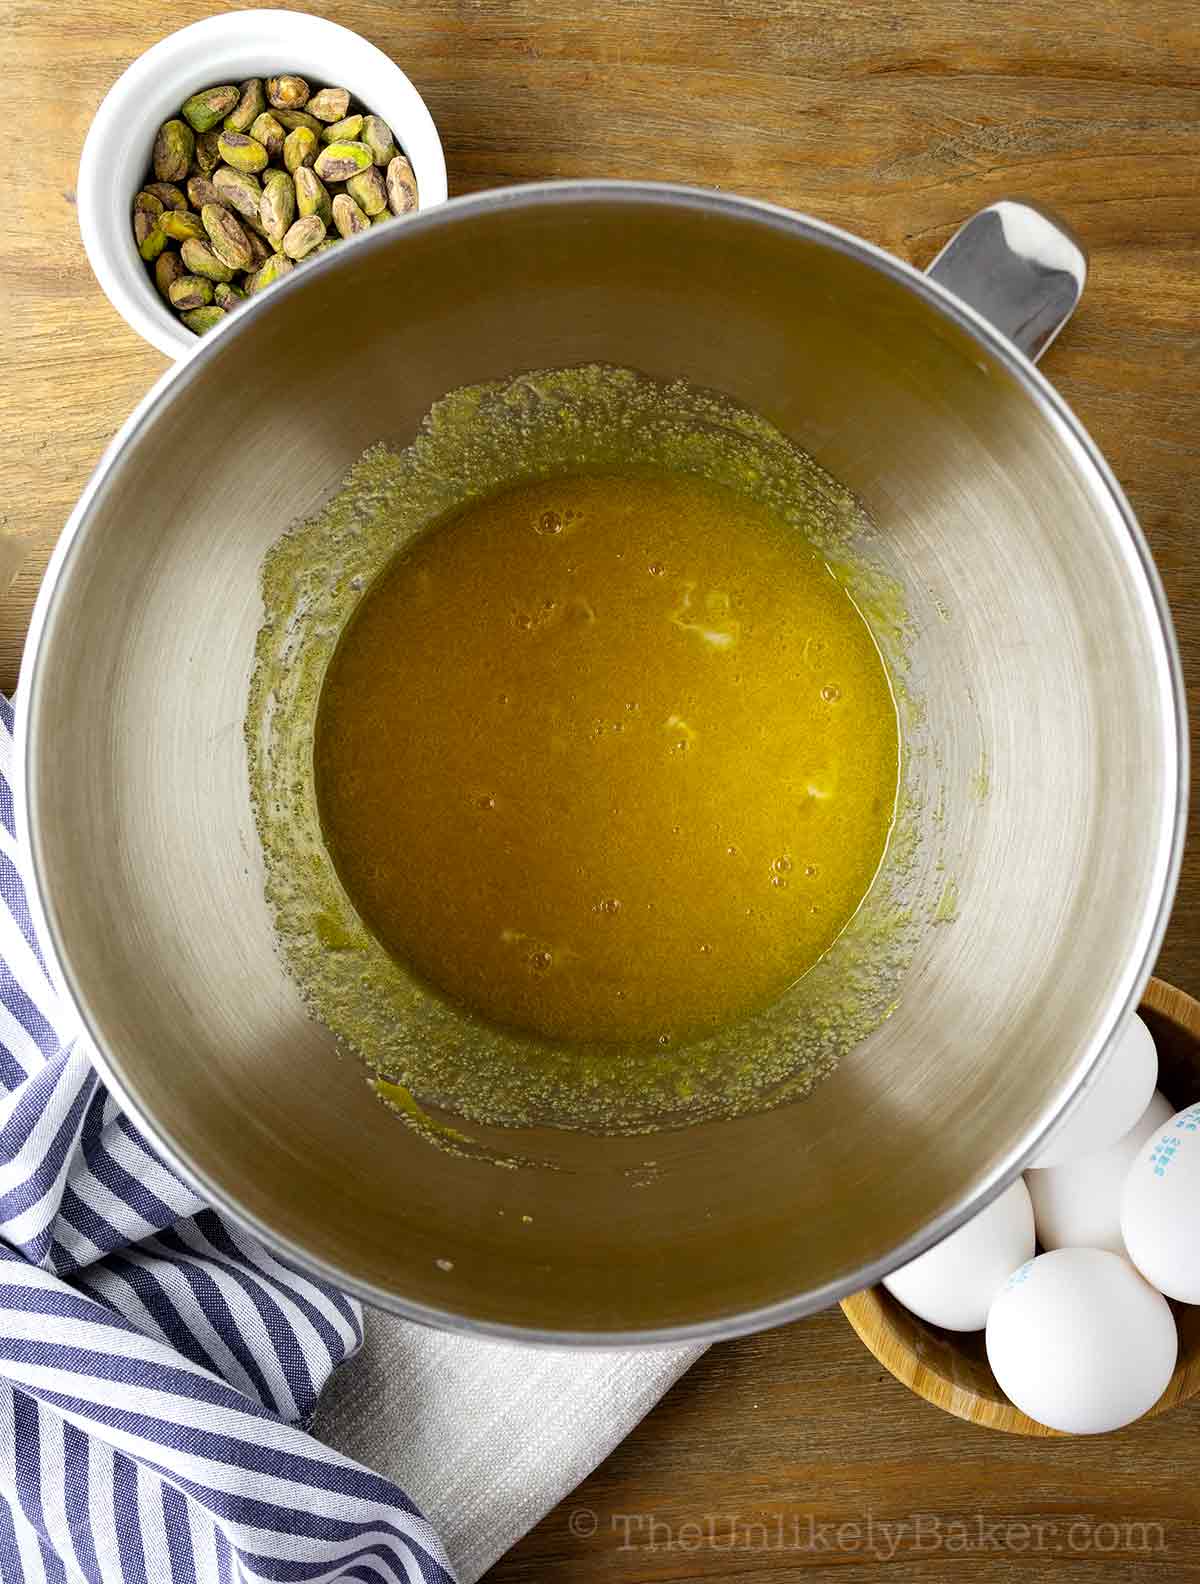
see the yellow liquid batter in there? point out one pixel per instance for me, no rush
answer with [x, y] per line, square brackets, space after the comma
[607, 758]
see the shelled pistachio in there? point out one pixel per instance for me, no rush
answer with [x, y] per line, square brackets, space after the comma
[203, 319]
[173, 150]
[205, 109]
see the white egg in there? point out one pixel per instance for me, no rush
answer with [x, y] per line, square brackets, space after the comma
[953, 1283]
[1080, 1342]
[1078, 1204]
[1112, 1102]
[1160, 1208]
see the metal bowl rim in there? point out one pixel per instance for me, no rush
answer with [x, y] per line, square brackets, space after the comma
[1050, 406]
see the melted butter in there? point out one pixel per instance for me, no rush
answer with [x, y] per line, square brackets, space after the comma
[431, 1060]
[607, 758]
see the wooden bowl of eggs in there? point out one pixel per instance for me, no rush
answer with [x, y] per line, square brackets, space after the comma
[1094, 1209]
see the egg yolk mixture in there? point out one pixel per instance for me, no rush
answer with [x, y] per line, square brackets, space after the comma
[607, 758]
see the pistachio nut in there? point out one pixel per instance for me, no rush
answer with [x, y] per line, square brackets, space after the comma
[342, 131]
[201, 190]
[341, 160]
[179, 224]
[168, 267]
[252, 101]
[331, 104]
[278, 207]
[369, 190]
[291, 119]
[207, 156]
[325, 246]
[199, 259]
[260, 249]
[238, 190]
[201, 320]
[204, 109]
[287, 92]
[377, 135]
[170, 196]
[190, 291]
[267, 131]
[244, 153]
[270, 272]
[152, 244]
[401, 186]
[306, 234]
[299, 149]
[228, 240]
[173, 149]
[227, 296]
[146, 210]
[347, 216]
[312, 196]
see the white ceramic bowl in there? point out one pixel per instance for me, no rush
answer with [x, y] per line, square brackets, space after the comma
[223, 49]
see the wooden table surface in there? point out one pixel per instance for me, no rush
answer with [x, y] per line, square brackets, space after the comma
[896, 121]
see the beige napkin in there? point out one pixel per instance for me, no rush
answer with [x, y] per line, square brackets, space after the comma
[487, 1437]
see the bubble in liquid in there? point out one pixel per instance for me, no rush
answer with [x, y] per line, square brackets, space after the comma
[485, 800]
[810, 870]
[831, 693]
[444, 1264]
[706, 950]
[656, 569]
[676, 830]
[608, 905]
[732, 851]
[539, 961]
[550, 522]
[504, 698]
[633, 705]
[779, 881]
[664, 1039]
[782, 865]
[523, 621]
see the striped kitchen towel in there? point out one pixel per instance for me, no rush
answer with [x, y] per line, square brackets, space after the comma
[157, 1365]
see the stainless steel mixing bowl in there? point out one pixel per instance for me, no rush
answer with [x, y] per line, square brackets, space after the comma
[1044, 653]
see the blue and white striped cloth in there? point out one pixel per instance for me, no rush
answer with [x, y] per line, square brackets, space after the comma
[156, 1364]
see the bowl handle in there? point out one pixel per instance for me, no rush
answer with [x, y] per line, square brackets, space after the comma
[1020, 267]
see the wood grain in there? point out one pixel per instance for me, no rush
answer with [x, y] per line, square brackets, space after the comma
[896, 122]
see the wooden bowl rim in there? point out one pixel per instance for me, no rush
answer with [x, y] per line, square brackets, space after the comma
[874, 1326]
